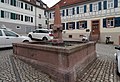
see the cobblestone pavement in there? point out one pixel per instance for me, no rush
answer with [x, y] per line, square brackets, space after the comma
[14, 70]
[103, 69]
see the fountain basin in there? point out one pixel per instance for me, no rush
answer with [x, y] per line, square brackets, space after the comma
[61, 63]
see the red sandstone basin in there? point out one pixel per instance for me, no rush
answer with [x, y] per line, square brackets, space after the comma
[61, 63]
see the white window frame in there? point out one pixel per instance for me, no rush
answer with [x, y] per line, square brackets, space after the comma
[110, 4]
[7, 1]
[81, 24]
[95, 7]
[109, 22]
[81, 9]
[7, 14]
[18, 4]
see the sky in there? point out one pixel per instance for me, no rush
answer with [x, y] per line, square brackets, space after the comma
[50, 3]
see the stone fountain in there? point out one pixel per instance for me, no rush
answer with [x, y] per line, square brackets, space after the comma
[62, 63]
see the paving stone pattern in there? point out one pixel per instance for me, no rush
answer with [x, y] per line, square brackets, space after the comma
[14, 70]
[103, 69]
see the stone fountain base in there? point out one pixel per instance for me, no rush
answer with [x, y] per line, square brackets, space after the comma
[61, 63]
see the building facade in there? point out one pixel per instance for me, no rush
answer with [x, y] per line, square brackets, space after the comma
[97, 18]
[22, 16]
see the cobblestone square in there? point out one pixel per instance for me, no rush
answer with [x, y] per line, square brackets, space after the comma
[103, 69]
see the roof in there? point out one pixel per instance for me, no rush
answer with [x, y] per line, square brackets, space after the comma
[63, 3]
[33, 2]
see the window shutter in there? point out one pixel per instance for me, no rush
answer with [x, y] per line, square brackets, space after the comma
[67, 26]
[77, 10]
[31, 8]
[73, 25]
[2, 1]
[66, 12]
[2, 14]
[21, 5]
[104, 23]
[14, 2]
[117, 22]
[63, 13]
[99, 6]
[90, 7]
[105, 4]
[21, 17]
[63, 24]
[12, 15]
[73, 11]
[115, 3]
[85, 24]
[85, 8]
[31, 19]
[50, 15]
[77, 24]
[25, 6]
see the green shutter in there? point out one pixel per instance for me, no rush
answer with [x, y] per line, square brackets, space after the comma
[21, 17]
[22, 5]
[2, 14]
[25, 6]
[13, 16]
[14, 2]
[2, 1]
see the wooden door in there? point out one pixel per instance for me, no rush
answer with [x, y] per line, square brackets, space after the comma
[95, 30]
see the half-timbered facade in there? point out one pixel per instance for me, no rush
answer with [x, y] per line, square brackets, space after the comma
[101, 17]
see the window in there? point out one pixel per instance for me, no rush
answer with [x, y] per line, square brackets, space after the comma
[7, 1]
[81, 24]
[110, 4]
[17, 17]
[18, 4]
[9, 33]
[81, 9]
[70, 25]
[28, 7]
[69, 12]
[110, 22]
[95, 7]
[27, 19]
[1, 33]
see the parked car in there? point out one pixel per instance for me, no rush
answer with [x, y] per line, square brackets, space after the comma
[117, 54]
[7, 37]
[41, 34]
